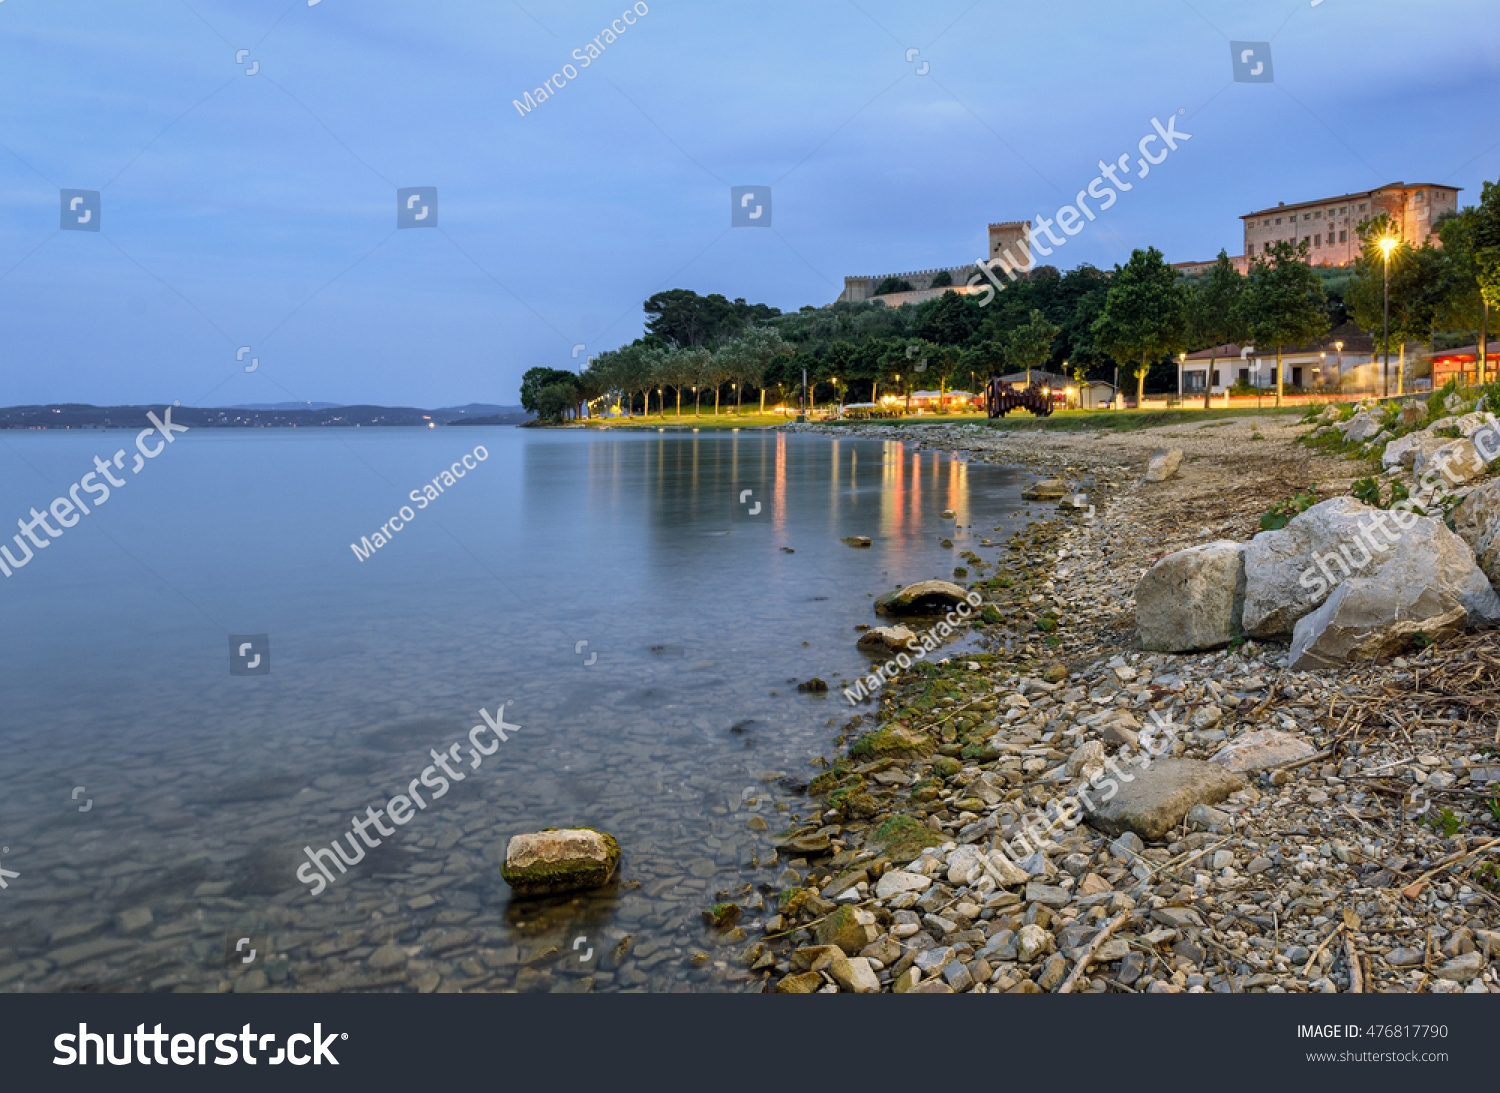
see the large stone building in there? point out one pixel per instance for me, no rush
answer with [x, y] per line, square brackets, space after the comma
[1330, 226]
[1010, 248]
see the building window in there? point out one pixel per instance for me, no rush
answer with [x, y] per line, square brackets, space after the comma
[1306, 239]
[1343, 237]
[1278, 220]
[1361, 206]
[1249, 248]
[1318, 215]
[1343, 209]
[1318, 240]
[1307, 216]
[1419, 195]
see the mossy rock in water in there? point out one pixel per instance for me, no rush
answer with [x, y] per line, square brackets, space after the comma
[813, 686]
[557, 860]
[990, 615]
[831, 779]
[1055, 672]
[791, 901]
[1046, 626]
[901, 838]
[891, 740]
[922, 598]
[722, 915]
[960, 571]
[982, 751]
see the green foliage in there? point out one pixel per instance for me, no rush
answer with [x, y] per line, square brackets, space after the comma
[1368, 491]
[535, 379]
[680, 317]
[553, 401]
[1145, 313]
[1280, 514]
[893, 284]
[1444, 821]
[941, 279]
[1214, 315]
[1030, 346]
[1283, 302]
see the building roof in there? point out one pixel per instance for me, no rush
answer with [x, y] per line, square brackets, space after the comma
[1464, 352]
[1346, 197]
[1038, 375]
[1354, 345]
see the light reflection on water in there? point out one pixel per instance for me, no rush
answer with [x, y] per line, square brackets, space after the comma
[206, 786]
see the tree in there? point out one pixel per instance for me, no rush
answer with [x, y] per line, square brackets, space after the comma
[893, 284]
[941, 279]
[676, 368]
[714, 370]
[1145, 314]
[537, 378]
[747, 359]
[1030, 346]
[553, 401]
[1283, 302]
[1214, 314]
[681, 318]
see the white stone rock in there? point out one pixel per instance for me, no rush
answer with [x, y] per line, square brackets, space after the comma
[1163, 464]
[1289, 572]
[1262, 750]
[1192, 599]
[887, 639]
[896, 881]
[855, 975]
[1366, 619]
[1362, 426]
[1452, 463]
[1477, 521]
[1402, 452]
[1031, 942]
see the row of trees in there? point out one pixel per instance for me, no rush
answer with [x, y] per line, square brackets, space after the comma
[1085, 322]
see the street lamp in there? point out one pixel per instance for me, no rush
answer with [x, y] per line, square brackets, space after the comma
[1386, 246]
[1181, 363]
[1339, 362]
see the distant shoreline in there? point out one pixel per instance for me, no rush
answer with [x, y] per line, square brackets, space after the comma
[75, 416]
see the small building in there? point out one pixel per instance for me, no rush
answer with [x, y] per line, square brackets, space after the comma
[1095, 395]
[1328, 363]
[1463, 363]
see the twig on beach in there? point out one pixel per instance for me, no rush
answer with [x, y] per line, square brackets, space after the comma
[1088, 954]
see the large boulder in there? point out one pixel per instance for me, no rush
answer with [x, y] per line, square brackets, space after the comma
[1193, 599]
[559, 860]
[1456, 461]
[1156, 800]
[1163, 464]
[1477, 521]
[922, 598]
[1366, 619]
[1290, 572]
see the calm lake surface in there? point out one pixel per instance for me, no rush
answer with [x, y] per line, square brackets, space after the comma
[154, 807]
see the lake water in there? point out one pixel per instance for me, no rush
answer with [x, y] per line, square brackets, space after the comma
[154, 807]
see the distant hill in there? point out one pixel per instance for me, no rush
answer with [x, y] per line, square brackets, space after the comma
[285, 406]
[75, 415]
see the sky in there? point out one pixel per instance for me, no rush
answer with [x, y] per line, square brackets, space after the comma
[247, 154]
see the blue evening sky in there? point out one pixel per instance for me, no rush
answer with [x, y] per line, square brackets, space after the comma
[260, 209]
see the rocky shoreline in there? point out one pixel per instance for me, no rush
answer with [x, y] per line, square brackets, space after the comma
[1326, 831]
